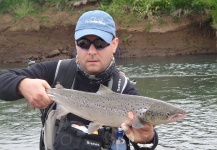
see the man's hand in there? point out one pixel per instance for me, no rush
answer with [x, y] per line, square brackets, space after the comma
[34, 92]
[143, 135]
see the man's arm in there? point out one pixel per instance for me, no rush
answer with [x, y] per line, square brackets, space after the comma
[10, 80]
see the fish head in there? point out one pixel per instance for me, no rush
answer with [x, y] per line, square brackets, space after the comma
[162, 113]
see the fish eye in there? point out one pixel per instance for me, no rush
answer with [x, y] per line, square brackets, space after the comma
[168, 114]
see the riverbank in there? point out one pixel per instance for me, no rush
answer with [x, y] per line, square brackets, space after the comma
[30, 38]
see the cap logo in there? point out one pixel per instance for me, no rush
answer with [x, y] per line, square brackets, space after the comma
[95, 20]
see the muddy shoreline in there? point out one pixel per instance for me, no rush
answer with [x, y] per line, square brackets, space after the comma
[57, 42]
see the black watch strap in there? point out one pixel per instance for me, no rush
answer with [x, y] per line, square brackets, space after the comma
[154, 142]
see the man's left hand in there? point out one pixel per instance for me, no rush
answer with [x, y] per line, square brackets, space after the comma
[142, 135]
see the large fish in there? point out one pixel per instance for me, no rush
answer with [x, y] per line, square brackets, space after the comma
[106, 107]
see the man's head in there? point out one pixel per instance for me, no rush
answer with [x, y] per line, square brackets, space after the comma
[97, 23]
[96, 41]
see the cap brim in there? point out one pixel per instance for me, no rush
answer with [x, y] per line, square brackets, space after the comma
[102, 34]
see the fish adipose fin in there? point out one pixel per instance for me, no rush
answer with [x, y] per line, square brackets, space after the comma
[93, 127]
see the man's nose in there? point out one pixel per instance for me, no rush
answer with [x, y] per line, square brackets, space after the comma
[92, 50]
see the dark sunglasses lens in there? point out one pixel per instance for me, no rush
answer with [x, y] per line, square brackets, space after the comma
[100, 44]
[84, 44]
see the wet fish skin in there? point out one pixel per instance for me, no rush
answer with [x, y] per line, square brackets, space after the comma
[109, 108]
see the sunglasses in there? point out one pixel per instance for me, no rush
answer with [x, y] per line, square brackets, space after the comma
[99, 43]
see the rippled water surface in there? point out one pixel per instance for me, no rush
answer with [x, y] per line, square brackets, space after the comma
[189, 82]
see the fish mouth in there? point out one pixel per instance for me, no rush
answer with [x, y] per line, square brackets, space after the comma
[177, 117]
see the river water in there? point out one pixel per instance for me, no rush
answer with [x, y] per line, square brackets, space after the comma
[189, 82]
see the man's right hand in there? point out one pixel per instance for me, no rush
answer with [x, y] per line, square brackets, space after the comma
[34, 92]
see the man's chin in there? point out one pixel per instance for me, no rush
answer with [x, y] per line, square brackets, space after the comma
[93, 71]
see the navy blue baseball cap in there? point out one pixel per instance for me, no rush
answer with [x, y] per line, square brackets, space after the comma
[97, 23]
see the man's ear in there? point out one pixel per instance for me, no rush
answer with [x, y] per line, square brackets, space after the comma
[115, 44]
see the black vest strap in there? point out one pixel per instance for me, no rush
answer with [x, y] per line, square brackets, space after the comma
[66, 73]
[119, 82]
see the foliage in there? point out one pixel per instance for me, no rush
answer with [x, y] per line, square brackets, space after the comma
[18, 7]
[212, 7]
[6, 4]
[148, 8]
[119, 8]
[61, 4]
[22, 9]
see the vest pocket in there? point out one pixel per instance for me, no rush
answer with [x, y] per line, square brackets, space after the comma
[70, 138]
[49, 130]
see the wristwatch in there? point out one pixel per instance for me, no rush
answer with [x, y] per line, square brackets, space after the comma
[151, 146]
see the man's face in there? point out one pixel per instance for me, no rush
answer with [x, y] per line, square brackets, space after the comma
[95, 61]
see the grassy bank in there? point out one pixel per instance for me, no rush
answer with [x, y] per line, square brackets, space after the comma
[142, 9]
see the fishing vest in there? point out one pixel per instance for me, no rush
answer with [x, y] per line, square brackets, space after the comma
[57, 133]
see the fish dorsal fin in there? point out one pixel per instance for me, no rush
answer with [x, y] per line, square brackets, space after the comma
[59, 86]
[104, 90]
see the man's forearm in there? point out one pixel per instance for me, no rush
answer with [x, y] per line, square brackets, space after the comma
[8, 86]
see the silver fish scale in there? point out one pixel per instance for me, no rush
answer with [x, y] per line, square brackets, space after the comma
[109, 108]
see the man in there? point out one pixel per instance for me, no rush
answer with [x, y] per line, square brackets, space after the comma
[96, 42]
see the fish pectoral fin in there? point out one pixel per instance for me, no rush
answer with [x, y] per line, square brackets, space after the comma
[93, 126]
[138, 123]
[60, 111]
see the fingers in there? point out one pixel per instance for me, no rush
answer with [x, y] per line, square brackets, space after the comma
[47, 99]
[40, 100]
[45, 84]
[127, 126]
[142, 135]
[128, 131]
[34, 92]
